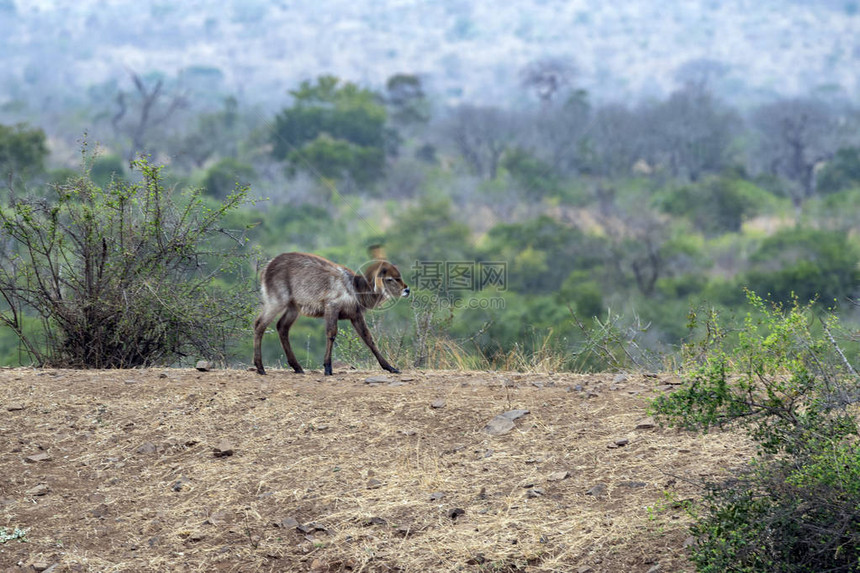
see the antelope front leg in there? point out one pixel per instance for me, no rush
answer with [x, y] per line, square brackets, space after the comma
[330, 334]
[361, 328]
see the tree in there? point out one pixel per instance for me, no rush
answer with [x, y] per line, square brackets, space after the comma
[795, 136]
[122, 276]
[807, 263]
[333, 130]
[692, 133]
[22, 151]
[406, 99]
[717, 205]
[212, 135]
[223, 177]
[841, 172]
[560, 134]
[138, 115]
[481, 135]
[618, 140]
[548, 77]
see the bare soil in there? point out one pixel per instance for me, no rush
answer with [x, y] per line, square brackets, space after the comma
[180, 470]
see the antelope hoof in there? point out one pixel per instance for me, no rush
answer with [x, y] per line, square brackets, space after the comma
[393, 370]
[261, 371]
[299, 370]
[328, 371]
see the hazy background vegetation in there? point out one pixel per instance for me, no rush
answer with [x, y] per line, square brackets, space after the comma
[621, 161]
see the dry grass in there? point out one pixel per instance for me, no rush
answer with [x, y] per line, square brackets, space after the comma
[135, 486]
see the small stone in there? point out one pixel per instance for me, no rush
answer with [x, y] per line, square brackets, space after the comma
[39, 566]
[535, 492]
[223, 450]
[409, 432]
[633, 484]
[163, 375]
[375, 521]
[585, 569]
[147, 448]
[655, 569]
[689, 542]
[646, 424]
[558, 476]
[179, 484]
[39, 490]
[621, 442]
[100, 511]
[596, 490]
[36, 458]
[204, 365]
[286, 523]
[673, 381]
[438, 403]
[456, 512]
[515, 414]
[620, 378]
[499, 426]
[436, 495]
[17, 407]
[374, 484]
[196, 536]
[378, 380]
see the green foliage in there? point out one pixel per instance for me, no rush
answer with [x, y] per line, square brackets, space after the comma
[122, 276]
[339, 159]
[16, 533]
[584, 293]
[226, 175]
[718, 204]
[406, 99]
[808, 263]
[106, 167]
[22, 151]
[333, 129]
[541, 253]
[792, 389]
[536, 178]
[429, 231]
[842, 172]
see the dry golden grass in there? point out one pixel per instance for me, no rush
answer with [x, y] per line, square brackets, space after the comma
[372, 472]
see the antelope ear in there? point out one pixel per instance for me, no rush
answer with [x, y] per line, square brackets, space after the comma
[378, 285]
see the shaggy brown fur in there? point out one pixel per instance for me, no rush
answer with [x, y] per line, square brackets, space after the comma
[301, 283]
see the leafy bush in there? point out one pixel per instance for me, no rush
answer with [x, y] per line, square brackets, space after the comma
[808, 263]
[797, 507]
[121, 276]
[718, 204]
[223, 177]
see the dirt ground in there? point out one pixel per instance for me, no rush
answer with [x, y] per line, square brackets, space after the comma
[180, 470]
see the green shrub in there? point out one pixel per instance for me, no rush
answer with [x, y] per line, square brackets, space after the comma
[122, 276]
[797, 507]
[808, 263]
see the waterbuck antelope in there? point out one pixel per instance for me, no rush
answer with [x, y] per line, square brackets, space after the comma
[301, 283]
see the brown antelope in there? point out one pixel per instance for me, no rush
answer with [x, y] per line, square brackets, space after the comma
[301, 283]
